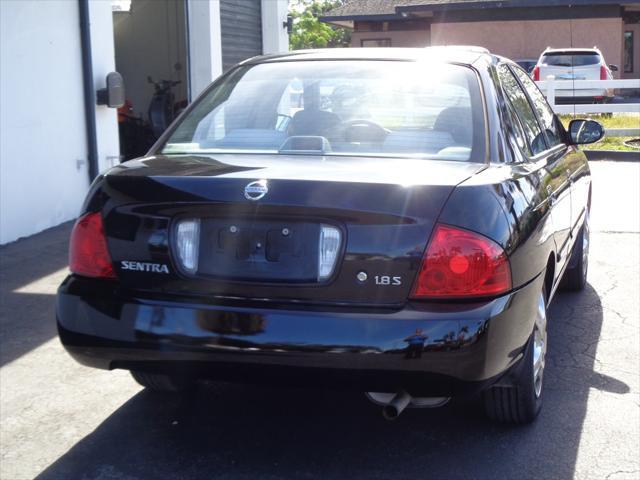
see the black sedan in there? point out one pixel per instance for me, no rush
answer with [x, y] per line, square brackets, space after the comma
[394, 221]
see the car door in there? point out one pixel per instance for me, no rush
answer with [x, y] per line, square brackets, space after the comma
[567, 163]
[573, 160]
[546, 152]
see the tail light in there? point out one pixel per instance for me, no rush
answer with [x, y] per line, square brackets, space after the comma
[603, 72]
[536, 74]
[461, 264]
[88, 254]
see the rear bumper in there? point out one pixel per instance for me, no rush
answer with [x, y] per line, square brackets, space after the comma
[467, 346]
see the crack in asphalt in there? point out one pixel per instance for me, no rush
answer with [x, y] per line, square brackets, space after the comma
[620, 472]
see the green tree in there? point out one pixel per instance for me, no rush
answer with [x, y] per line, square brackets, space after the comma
[310, 32]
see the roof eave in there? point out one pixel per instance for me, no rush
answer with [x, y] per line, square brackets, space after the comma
[403, 12]
[340, 20]
[406, 9]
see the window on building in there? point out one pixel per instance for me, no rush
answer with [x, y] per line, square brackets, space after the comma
[376, 42]
[405, 25]
[367, 26]
[628, 52]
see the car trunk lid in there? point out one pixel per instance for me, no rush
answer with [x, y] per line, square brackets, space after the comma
[268, 249]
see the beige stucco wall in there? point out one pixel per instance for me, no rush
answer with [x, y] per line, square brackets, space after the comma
[408, 38]
[528, 38]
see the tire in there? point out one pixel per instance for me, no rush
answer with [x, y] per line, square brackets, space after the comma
[163, 383]
[519, 399]
[575, 276]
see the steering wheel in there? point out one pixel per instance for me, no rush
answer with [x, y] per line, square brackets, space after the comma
[361, 130]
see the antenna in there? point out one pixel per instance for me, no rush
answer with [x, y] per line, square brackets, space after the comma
[573, 75]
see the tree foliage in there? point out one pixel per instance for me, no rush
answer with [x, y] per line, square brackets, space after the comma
[309, 31]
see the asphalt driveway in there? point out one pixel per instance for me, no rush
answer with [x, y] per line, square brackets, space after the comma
[59, 420]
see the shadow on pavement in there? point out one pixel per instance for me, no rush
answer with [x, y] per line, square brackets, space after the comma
[233, 431]
[28, 282]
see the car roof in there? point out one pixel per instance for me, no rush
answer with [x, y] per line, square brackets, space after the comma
[448, 54]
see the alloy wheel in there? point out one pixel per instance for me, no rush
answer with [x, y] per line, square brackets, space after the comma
[539, 345]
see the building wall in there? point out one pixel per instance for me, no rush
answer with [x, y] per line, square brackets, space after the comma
[403, 38]
[205, 44]
[275, 38]
[103, 60]
[43, 153]
[528, 38]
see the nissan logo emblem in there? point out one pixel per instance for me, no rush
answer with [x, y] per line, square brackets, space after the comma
[256, 190]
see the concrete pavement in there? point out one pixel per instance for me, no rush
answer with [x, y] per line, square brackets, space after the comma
[59, 420]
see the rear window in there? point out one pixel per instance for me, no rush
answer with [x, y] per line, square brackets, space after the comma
[373, 108]
[570, 59]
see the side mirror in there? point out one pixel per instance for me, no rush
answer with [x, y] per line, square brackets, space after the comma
[113, 95]
[585, 131]
[613, 68]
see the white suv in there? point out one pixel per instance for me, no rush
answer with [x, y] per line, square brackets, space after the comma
[568, 64]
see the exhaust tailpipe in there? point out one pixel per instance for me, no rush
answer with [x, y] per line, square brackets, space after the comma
[398, 403]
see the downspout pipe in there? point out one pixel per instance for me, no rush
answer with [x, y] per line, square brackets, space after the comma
[89, 90]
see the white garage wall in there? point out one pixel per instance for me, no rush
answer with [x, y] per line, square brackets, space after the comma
[102, 51]
[43, 158]
[205, 44]
[275, 38]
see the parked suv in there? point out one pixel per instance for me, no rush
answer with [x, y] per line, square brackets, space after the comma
[570, 64]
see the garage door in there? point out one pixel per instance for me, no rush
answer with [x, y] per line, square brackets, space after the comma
[241, 26]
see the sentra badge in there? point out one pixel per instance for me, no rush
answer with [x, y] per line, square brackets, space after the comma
[144, 266]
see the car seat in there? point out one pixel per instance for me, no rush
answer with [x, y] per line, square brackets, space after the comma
[457, 122]
[312, 122]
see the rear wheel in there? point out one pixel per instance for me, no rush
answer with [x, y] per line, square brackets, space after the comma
[161, 382]
[519, 400]
[575, 277]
